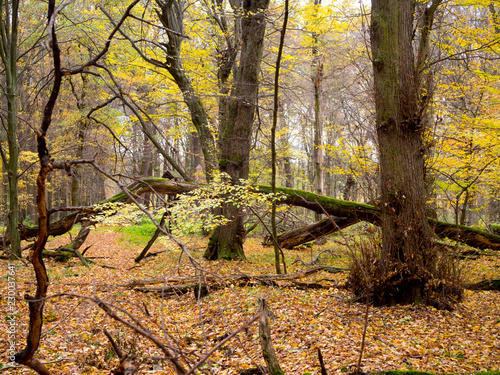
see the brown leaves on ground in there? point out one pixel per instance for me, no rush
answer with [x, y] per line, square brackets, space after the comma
[422, 338]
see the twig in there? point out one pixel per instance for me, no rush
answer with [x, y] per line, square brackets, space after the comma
[229, 337]
[362, 349]
[113, 343]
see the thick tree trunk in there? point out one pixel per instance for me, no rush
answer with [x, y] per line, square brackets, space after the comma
[226, 242]
[406, 234]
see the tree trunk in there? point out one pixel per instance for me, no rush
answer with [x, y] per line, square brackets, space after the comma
[317, 79]
[196, 160]
[171, 16]
[406, 234]
[226, 242]
[9, 56]
[76, 175]
[147, 163]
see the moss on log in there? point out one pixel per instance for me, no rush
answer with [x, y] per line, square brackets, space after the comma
[345, 211]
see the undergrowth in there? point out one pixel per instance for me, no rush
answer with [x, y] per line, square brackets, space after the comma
[137, 234]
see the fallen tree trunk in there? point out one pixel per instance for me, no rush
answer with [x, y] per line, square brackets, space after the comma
[138, 188]
[345, 212]
[64, 253]
[471, 236]
[484, 285]
[153, 239]
[181, 285]
[290, 239]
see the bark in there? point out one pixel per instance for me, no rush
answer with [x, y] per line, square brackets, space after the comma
[226, 241]
[9, 55]
[406, 234]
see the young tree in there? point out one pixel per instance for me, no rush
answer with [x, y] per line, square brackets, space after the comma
[47, 164]
[317, 79]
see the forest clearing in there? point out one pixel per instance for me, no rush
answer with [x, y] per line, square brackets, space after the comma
[463, 341]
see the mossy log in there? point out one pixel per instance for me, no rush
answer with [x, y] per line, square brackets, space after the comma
[345, 212]
[484, 285]
[65, 224]
[471, 236]
[66, 252]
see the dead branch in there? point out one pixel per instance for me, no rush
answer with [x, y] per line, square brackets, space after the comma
[266, 342]
[126, 366]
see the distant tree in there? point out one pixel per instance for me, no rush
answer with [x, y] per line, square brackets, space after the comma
[317, 80]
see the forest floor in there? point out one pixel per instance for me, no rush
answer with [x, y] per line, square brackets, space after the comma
[463, 341]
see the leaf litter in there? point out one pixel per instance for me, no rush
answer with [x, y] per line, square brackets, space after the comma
[466, 340]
